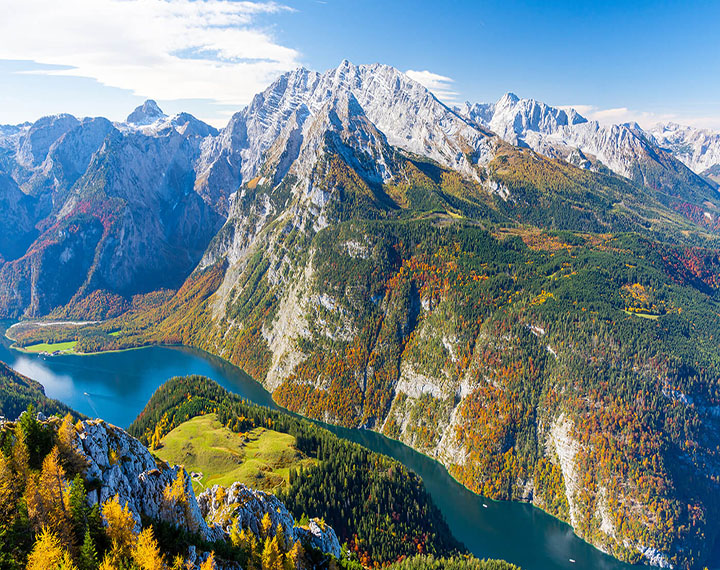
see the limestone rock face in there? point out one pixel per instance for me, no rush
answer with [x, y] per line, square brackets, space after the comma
[320, 536]
[121, 465]
[223, 506]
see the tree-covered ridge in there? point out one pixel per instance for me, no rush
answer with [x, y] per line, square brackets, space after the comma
[423, 562]
[17, 392]
[374, 503]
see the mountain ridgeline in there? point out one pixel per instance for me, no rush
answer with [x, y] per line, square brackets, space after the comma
[525, 295]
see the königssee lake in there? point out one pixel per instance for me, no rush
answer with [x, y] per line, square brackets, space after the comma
[116, 386]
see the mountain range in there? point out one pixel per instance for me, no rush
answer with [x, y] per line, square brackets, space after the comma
[527, 296]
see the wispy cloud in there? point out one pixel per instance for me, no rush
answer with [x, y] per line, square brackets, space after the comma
[440, 85]
[166, 49]
[645, 119]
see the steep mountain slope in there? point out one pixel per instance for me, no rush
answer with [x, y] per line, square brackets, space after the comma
[113, 209]
[18, 392]
[88, 490]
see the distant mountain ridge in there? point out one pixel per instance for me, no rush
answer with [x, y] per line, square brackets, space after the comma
[659, 157]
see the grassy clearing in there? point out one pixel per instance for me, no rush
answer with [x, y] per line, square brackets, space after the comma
[642, 315]
[260, 458]
[65, 347]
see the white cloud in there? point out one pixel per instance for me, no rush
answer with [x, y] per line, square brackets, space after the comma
[645, 119]
[165, 49]
[440, 85]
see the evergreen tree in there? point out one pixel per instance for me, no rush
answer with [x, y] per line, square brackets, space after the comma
[88, 558]
[77, 506]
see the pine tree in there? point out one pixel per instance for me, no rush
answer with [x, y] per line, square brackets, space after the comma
[96, 528]
[147, 553]
[77, 506]
[37, 438]
[47, 552]
[88, 558]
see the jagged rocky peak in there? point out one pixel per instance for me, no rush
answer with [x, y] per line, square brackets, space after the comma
[512, 114]
[403, 110]
[147, 113]
[699, 149]
[41, 136]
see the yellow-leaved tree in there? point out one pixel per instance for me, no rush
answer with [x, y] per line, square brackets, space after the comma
[209, 563]
[296, 556]
[47, 552]
[147, 553]
[120, 528]
[46, 498]
[7, 492]
[272, 558]
[265, 525]
[20, 457]
[67, 434]
[175, 498]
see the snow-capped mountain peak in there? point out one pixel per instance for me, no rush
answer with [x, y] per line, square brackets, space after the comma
[625, 149]
[698, 149]
[147, 113]
[404, 111]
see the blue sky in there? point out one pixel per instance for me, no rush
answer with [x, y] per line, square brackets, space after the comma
[615, 61]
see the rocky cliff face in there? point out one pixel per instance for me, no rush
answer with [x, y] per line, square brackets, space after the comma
[113, 205]
[246, 507]
[698, 149]
[360, 281]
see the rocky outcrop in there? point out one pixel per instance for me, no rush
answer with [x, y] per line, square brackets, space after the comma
[118, 464]
[247, 506]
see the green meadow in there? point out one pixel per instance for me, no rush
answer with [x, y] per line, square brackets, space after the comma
[260, 458]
